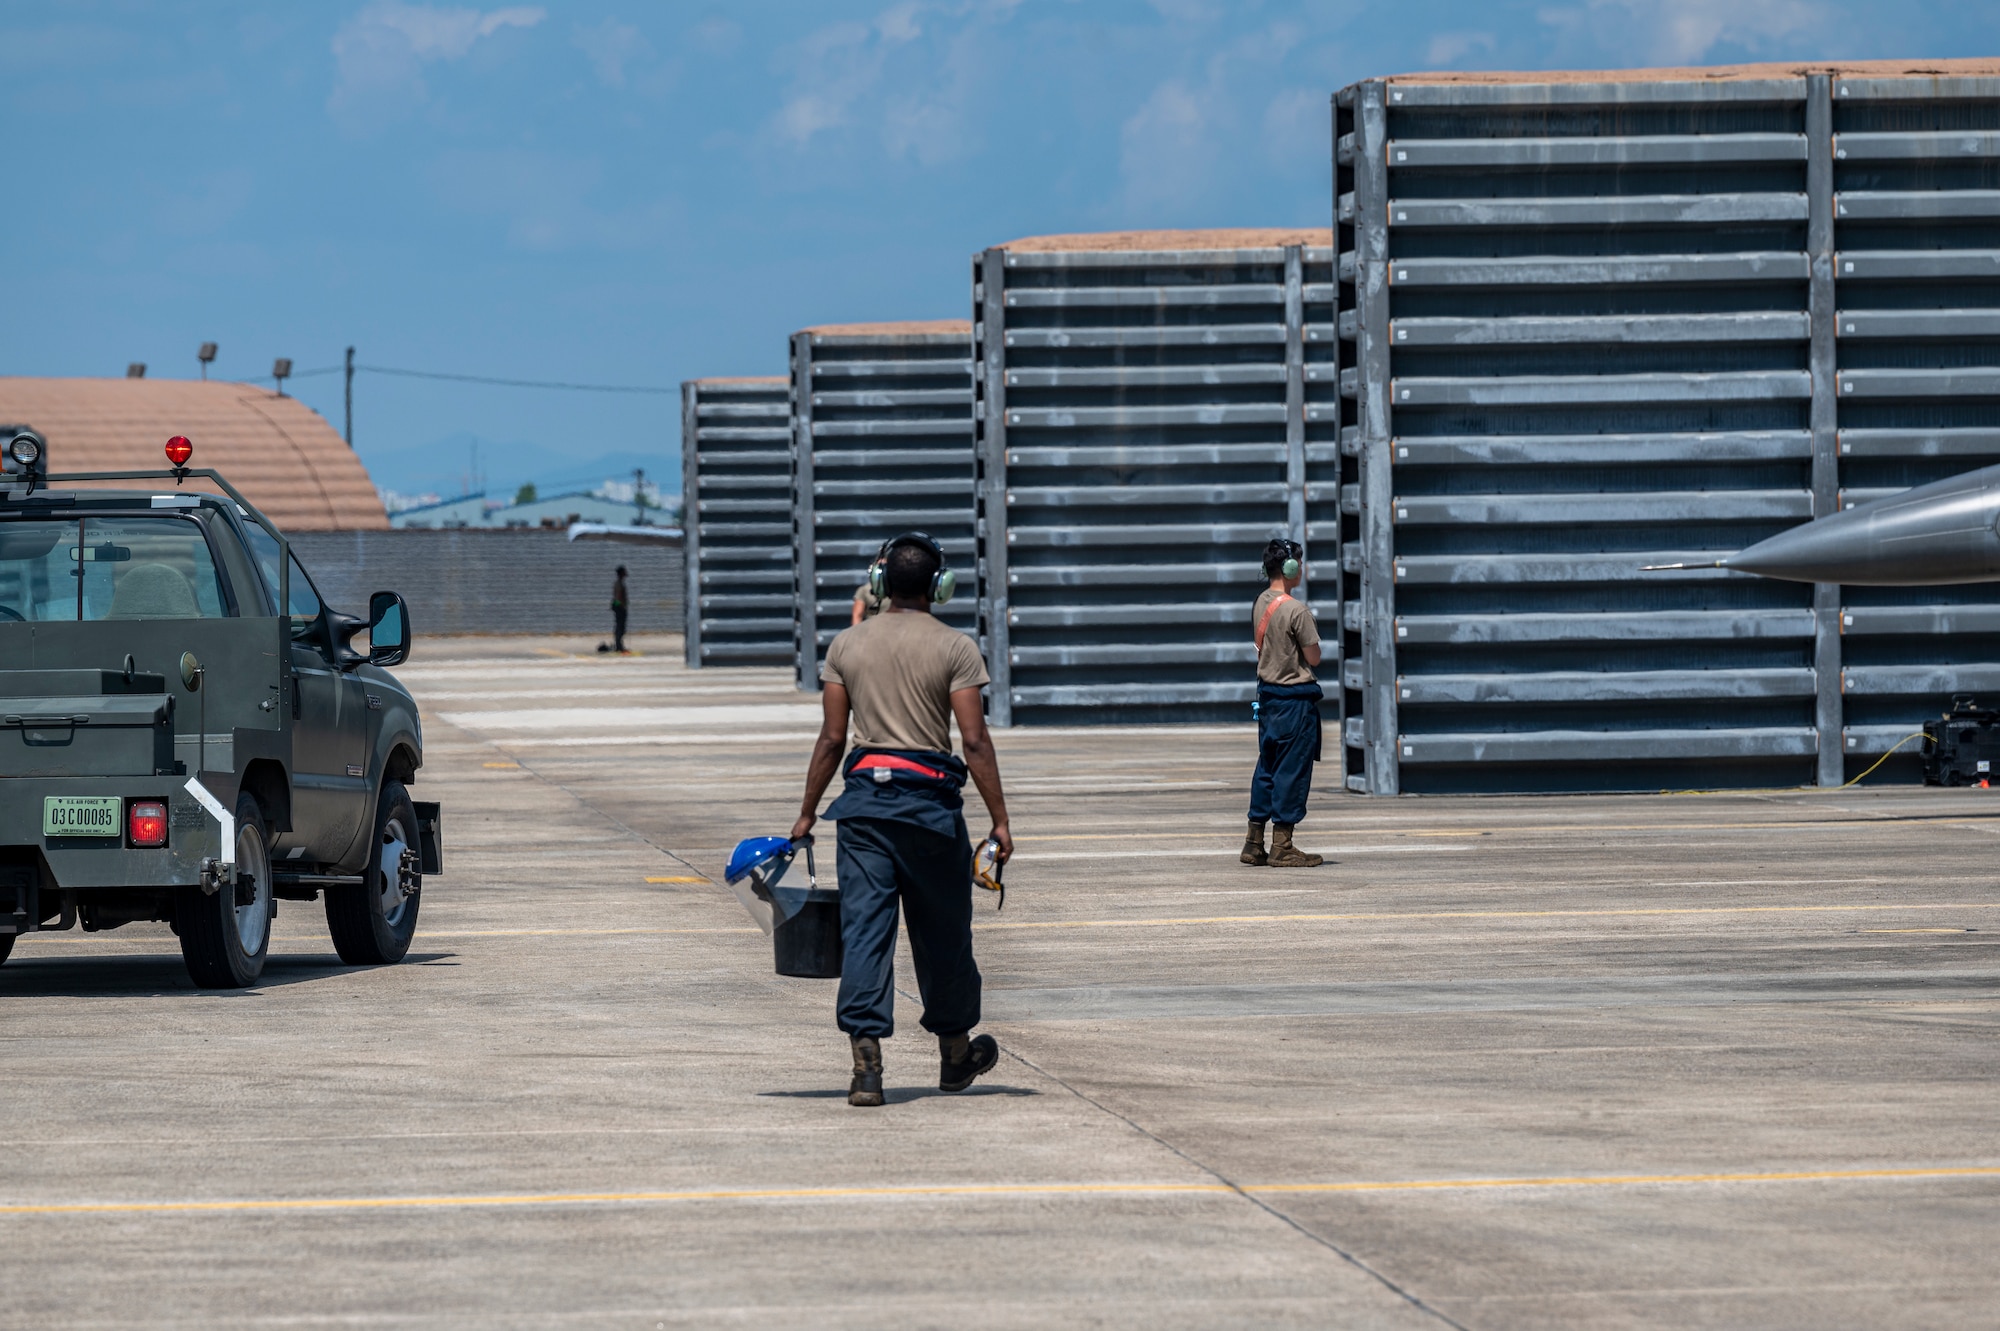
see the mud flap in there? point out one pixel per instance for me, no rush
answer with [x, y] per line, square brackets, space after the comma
[430, 836]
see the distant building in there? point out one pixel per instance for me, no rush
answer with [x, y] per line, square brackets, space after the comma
[279, 452]
[553, 511]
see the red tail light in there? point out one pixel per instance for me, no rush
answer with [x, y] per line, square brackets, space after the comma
[146, 822]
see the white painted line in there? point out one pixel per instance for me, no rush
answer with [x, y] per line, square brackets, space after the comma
[627, 718]
[1036, 856]
[685, 737]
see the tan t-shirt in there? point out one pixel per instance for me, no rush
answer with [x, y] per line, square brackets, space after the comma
[1290, 631]
[900, 671]
[871, 604]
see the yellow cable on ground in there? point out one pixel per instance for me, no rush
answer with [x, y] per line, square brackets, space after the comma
[1801, 790]
[1885, 757]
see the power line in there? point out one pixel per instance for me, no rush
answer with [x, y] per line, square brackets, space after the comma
[516, 383]
[479, 379]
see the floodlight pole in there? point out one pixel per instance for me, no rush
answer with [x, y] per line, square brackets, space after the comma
[350, 397]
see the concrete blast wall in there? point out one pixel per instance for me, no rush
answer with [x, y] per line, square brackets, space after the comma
[1588, 325]
[519, 581]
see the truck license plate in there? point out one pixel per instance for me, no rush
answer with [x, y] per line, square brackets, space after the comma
[80, 815]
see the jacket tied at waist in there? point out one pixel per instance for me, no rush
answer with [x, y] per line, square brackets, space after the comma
[916, 786]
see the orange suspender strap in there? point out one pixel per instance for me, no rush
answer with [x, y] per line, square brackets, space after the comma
[1266, 621]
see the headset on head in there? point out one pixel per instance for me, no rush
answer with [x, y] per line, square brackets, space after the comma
[1293, 553]
[943, 583]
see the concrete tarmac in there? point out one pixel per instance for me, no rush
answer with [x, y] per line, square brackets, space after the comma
[1697, 1060]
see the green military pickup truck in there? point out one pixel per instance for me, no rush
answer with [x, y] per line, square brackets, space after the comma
[187, 732]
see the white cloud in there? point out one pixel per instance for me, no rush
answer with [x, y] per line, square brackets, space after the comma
[1448, 48]
[1177, 148]
[717, 36]
[836, 67]
[380, 53]
[900, 23]
[1647, 32]
[905, 79]
[1298, 126]
[611, 45]
[1165, 149]
[546, 201]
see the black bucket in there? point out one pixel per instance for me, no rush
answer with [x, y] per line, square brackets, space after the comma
[806, 937]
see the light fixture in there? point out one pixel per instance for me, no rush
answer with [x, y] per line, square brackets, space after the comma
[281, 370]
[205, 355]
[136, 370]
[26, 449]
[179, 450]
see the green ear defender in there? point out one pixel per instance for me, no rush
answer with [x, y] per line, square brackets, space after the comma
[1291, 569]
[943, 583]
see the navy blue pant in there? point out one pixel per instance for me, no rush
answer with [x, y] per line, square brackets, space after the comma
[883, 862]
[1287, 747]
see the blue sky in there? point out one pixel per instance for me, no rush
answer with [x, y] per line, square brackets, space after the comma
[642, 193]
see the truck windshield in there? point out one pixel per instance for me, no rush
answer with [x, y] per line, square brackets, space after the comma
[54, 569]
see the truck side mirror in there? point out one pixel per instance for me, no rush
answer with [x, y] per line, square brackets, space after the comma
[388, 630]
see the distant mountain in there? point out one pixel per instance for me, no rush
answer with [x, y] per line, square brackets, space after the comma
[442, 467]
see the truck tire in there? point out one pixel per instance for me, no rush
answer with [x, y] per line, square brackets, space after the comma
[372, 924]
[6, 947]
[224, 938]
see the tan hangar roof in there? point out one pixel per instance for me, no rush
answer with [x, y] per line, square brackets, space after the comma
[905, 328]
[279, 452]
[1854, 69]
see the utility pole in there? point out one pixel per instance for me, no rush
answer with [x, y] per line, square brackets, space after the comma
[639, 495]
[350, 397]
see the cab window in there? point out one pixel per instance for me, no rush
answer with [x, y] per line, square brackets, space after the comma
[305, 608]
[96, 568]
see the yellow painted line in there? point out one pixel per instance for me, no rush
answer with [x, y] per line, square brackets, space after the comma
[970, 1190]
[678, 880]
[1478, 915]
[501, 765]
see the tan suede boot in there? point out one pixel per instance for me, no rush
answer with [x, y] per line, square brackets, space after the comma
[866, 1088]
[1284, 855]
[1253, 846]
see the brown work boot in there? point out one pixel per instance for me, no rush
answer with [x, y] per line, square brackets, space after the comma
[1253, 846]
[1284, 855]
[866, 1088]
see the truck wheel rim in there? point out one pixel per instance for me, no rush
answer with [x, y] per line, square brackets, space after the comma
[389, 870]
[253, 921]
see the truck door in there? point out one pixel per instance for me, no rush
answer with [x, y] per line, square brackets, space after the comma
[329, 754]
[330, 789]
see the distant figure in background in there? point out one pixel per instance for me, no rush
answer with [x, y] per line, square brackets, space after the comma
[867, 601]
[620, 600]
[1287, 710]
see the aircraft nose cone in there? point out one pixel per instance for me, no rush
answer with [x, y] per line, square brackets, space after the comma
[1810, 552]
[1935, 534]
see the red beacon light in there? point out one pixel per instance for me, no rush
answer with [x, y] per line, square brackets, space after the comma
[179, 450]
